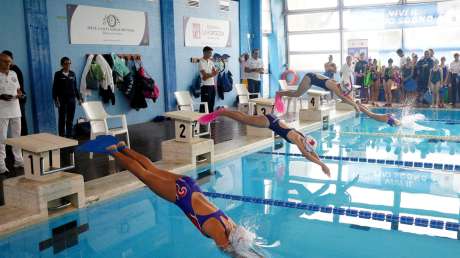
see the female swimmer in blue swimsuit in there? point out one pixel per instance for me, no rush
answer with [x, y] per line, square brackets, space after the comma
[305, 143]
[183, 191]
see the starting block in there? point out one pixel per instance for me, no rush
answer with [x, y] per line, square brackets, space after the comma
[317, 110]
[263, 106]
[44, 184]
[187, 146]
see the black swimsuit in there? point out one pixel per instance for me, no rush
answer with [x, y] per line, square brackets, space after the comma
[277, 129]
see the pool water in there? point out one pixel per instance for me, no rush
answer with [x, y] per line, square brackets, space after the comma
[139, 224]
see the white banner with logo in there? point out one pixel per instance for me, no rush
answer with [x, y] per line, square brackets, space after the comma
[200, 32]
[356, 47]
[106, 26]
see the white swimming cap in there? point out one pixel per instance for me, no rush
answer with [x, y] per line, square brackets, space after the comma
[345, 88]
[242, 242]
[310, 143]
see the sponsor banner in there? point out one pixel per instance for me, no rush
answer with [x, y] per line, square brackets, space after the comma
[106, 26]
[200, 32]
[405, 16]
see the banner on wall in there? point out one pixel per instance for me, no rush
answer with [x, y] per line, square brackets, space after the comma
[356, 47]
[106, 26]
[405, 16]
[199, 32]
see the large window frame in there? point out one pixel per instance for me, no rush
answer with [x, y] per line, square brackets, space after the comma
[340, 8]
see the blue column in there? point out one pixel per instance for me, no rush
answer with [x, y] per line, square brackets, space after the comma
[256, 24]
[169, 53]
[38, 50]
[250, 23]
[277, 45]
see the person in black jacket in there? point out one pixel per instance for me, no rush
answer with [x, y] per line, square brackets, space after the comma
[22, 101]
[65, 94]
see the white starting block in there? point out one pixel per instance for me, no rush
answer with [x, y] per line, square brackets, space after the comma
[317, 110]
[263, 106]
[187, 146]
[44, 185]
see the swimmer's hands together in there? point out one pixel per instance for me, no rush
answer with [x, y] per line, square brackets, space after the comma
[326, 170]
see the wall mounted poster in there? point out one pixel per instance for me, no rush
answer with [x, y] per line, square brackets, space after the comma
[356, 47]
[106, 26]
[200, 32]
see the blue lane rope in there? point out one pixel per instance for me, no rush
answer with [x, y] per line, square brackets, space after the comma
[363, 214]
[402, 163]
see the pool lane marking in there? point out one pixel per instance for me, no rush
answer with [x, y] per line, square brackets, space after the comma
[362, 214]
[403, 163]
[403, 135]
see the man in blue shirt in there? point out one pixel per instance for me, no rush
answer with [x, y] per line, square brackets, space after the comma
[423, 68]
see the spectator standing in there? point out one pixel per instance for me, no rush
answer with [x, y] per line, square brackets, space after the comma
[445, 83]
[360, 71]
[207, 72]
[243, 62]
[346, 71]
[454, 78]
[436, 77]
[375, 84]
[22, 101]
[402, 58]
[330, 68]
[423, 69]
[65, 94]
[254, 69]
[409, 84]
[388, 78]
[10, 111]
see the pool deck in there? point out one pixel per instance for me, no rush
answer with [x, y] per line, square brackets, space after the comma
[14, 219]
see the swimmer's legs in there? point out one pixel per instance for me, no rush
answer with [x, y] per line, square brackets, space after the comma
[257, 121]
[160, 184]
[304, 86]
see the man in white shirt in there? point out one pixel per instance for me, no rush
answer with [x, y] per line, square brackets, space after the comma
[10, 111]
[207, 73]
[346, 72]
[254, 68]
[402, 58]
[454, 78]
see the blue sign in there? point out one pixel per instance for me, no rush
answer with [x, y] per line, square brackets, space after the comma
[406, 16]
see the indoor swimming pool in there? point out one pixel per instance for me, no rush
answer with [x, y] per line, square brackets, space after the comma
[383, 199]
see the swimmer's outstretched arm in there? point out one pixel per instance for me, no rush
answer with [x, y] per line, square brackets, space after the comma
[304, 86]
[379, 117]
[313, 157]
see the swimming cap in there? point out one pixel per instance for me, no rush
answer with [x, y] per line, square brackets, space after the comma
[242, 242]
[345, 88]
[310, 143]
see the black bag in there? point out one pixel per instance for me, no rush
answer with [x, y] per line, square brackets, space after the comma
[83, 128]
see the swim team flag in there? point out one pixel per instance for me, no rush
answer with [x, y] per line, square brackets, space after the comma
[106, 26]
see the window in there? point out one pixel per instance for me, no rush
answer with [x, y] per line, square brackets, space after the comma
[431, 37]
[368, 2]
[308, 4]
[363, 19]
[310, 62]
[377, 40]
[266, 17]
[314, 42]
[315, 30]
[313, 21]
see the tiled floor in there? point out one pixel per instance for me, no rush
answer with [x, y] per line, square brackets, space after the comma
[146, 138]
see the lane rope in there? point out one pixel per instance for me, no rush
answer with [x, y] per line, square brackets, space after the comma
[402, 163]
[362, 214]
